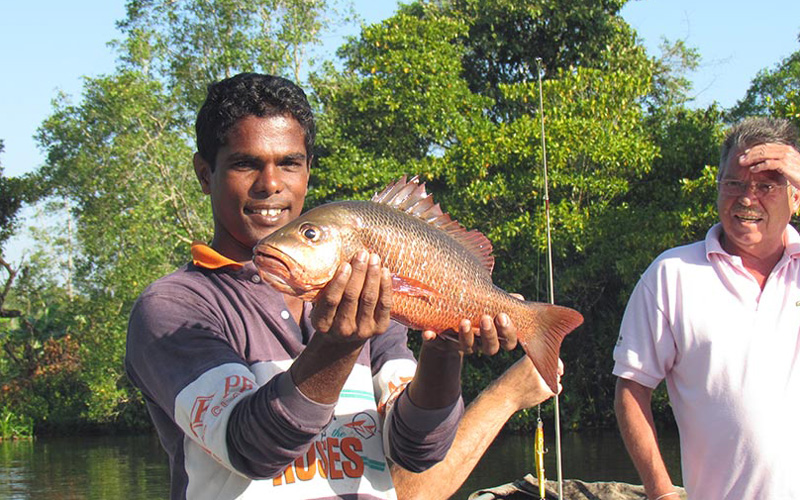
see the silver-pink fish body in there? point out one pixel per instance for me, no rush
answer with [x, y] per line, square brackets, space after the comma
[441, 272]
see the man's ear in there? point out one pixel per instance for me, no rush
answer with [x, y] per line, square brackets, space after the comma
[203, 172]
[308, 171]
[795, 201]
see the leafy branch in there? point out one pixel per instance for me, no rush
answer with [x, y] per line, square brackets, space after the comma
[12, 273]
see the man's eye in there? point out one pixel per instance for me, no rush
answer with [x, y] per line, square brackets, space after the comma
[765, 187]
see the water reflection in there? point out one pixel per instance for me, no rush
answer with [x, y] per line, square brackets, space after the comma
[589, 456]
[135, 467]
[130, 467]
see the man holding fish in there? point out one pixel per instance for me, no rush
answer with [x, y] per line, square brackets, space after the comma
[719, 320]
[259, 394]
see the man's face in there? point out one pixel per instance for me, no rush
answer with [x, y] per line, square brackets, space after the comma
[259, 182]
[753, 224]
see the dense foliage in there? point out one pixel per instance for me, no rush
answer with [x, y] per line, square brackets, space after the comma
[774, 92]
[447, 90]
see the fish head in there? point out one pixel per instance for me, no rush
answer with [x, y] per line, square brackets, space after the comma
[300, 258]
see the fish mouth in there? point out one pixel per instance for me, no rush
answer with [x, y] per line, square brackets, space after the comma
[275, 268]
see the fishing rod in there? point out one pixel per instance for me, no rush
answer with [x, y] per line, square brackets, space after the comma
[539, 442]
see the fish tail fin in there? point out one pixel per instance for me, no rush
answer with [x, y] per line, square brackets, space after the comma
[542, 343]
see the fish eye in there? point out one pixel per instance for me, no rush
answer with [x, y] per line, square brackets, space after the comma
[309, 232]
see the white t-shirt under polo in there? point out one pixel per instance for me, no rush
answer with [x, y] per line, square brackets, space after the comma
[729, 354]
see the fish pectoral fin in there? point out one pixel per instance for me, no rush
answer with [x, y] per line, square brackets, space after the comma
[412, 288]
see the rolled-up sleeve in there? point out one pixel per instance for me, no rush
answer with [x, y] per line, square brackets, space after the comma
[645, 350]
[419, 438]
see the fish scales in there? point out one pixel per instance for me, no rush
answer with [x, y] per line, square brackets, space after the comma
[413, 249]
[441, 273]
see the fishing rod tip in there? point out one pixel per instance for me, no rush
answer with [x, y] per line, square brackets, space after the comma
[539, 65]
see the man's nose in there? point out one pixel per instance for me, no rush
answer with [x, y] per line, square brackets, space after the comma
[268, 180]
[748, 196]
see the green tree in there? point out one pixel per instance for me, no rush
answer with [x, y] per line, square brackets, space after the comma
[671, 86]
[654, 211]
[121, 160]
[773, 92]
[399, 101]
[446, 90]
[670, 202]
[404, 103]
[188, 44]
[40, 372]
[507, 37]
[9, 206]
[15, 192]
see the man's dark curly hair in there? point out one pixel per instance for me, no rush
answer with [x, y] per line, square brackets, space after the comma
[246, 94]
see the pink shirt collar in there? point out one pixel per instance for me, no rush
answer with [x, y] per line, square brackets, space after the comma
[791, 242]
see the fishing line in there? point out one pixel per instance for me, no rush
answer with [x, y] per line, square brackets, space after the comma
[557, 415]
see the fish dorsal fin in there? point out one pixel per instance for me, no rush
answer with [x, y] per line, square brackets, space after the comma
[410, 197]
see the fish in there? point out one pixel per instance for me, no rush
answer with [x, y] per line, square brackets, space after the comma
[441, 272]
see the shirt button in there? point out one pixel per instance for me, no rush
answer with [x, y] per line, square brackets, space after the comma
[285, 314]
[255, 278]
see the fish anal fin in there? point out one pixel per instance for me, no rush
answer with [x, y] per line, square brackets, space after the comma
[410, 197]
[543, 344]
[412, 288]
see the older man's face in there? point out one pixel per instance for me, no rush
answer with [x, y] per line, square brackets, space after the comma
[754, 222]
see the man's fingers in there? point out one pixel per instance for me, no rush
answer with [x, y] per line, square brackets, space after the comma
[348, 307]
[429, 335]
[488, 336]
[327, 302]
[779, 157]
[506, 331]
[338, 305]
[489, 344]
[466, 338]
[384, 307]
[370, 293]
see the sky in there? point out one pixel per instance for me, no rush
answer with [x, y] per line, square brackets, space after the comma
[49, 46]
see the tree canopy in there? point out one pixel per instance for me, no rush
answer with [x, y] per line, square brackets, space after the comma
[773, 92]
[445, 90]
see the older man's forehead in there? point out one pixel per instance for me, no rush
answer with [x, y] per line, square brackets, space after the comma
[733, 170]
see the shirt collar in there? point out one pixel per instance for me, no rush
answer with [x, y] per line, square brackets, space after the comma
[791, 241]
[206, 257]
[713, 243]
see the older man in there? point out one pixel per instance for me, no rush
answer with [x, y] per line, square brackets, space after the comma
[719, 320]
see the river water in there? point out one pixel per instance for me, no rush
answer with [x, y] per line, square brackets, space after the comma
[135, 467]
[588, 456]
